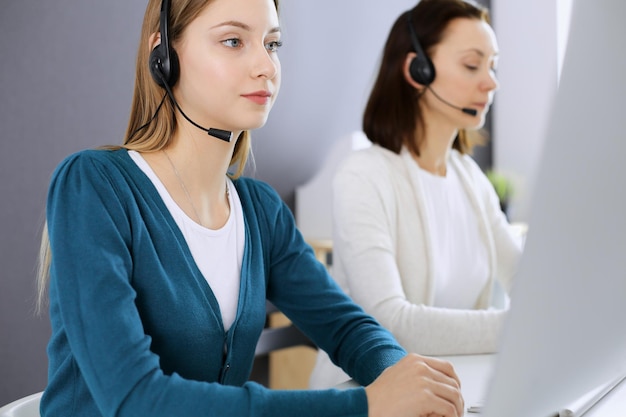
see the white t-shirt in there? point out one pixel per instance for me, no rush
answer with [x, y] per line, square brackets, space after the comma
[217, 253]
[459, 253]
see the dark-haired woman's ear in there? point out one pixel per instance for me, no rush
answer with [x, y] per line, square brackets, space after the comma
[407, 73]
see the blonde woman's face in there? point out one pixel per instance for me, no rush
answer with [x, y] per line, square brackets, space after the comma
[465, 62]
[229, 66]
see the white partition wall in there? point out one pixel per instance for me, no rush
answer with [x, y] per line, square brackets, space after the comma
[527, 71]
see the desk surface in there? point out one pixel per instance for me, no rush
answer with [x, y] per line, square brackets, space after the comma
[612, 405]
[474, 371]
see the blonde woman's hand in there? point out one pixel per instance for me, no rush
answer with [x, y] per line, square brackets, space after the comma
[416, 386]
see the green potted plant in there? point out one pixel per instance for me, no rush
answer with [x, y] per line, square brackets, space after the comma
[503, 187]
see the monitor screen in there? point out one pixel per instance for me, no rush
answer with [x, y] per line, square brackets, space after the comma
[566, 333]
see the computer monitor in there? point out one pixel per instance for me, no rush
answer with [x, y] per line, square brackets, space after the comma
[566, 332]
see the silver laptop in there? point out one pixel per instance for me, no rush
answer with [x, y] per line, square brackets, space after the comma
[564, 342]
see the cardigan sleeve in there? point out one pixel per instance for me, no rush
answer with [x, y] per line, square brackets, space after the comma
[300, 286]
[508, 246]
[92, 300]
[367, 213]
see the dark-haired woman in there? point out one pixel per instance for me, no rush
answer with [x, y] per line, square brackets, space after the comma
[419, 237]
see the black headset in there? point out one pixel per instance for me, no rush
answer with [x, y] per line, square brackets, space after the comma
[165, 70]
[421, 68]
[164, 66]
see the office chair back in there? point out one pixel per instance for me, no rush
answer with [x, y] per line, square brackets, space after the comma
[24, 407]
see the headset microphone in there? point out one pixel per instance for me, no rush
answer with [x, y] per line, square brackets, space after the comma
[466, 110]
[224, 135]
[422, 70]
[164, 69]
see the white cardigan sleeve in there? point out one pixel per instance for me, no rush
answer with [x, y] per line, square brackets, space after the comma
[380, 258]
[508, 246]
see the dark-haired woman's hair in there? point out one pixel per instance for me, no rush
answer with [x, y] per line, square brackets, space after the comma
[392, 114]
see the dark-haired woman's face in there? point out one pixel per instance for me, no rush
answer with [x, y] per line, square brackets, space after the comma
[465, 62]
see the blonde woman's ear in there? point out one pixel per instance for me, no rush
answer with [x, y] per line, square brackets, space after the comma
[154, 40]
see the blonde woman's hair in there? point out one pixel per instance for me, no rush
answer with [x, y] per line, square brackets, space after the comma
[150, 130]
[152, 121]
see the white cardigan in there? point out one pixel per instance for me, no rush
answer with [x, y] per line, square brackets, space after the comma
[382, 255]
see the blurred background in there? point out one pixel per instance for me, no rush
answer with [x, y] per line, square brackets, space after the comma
[66, 78]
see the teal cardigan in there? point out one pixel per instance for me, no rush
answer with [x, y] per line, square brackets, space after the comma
[136, 330]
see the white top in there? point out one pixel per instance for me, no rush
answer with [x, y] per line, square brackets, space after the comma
[217, 253]
[385, 255]
[457, 246]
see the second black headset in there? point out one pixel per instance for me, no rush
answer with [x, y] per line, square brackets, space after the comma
[422, 70]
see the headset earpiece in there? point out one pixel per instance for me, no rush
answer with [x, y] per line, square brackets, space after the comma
[163, 59]
[164, 68]
[421, 68]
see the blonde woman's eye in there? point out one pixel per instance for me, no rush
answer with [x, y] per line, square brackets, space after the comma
[233, 43]
[273, 46]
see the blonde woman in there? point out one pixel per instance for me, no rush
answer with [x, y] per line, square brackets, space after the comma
[160, 262]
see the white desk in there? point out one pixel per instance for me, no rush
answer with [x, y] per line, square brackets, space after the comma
[612, 405]
[474, 371]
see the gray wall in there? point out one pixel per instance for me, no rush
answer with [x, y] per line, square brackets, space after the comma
[65, 84]
[66, 76]
[329, 63]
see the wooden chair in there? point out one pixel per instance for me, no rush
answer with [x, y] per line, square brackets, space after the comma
[276, 365]
[282, 337]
